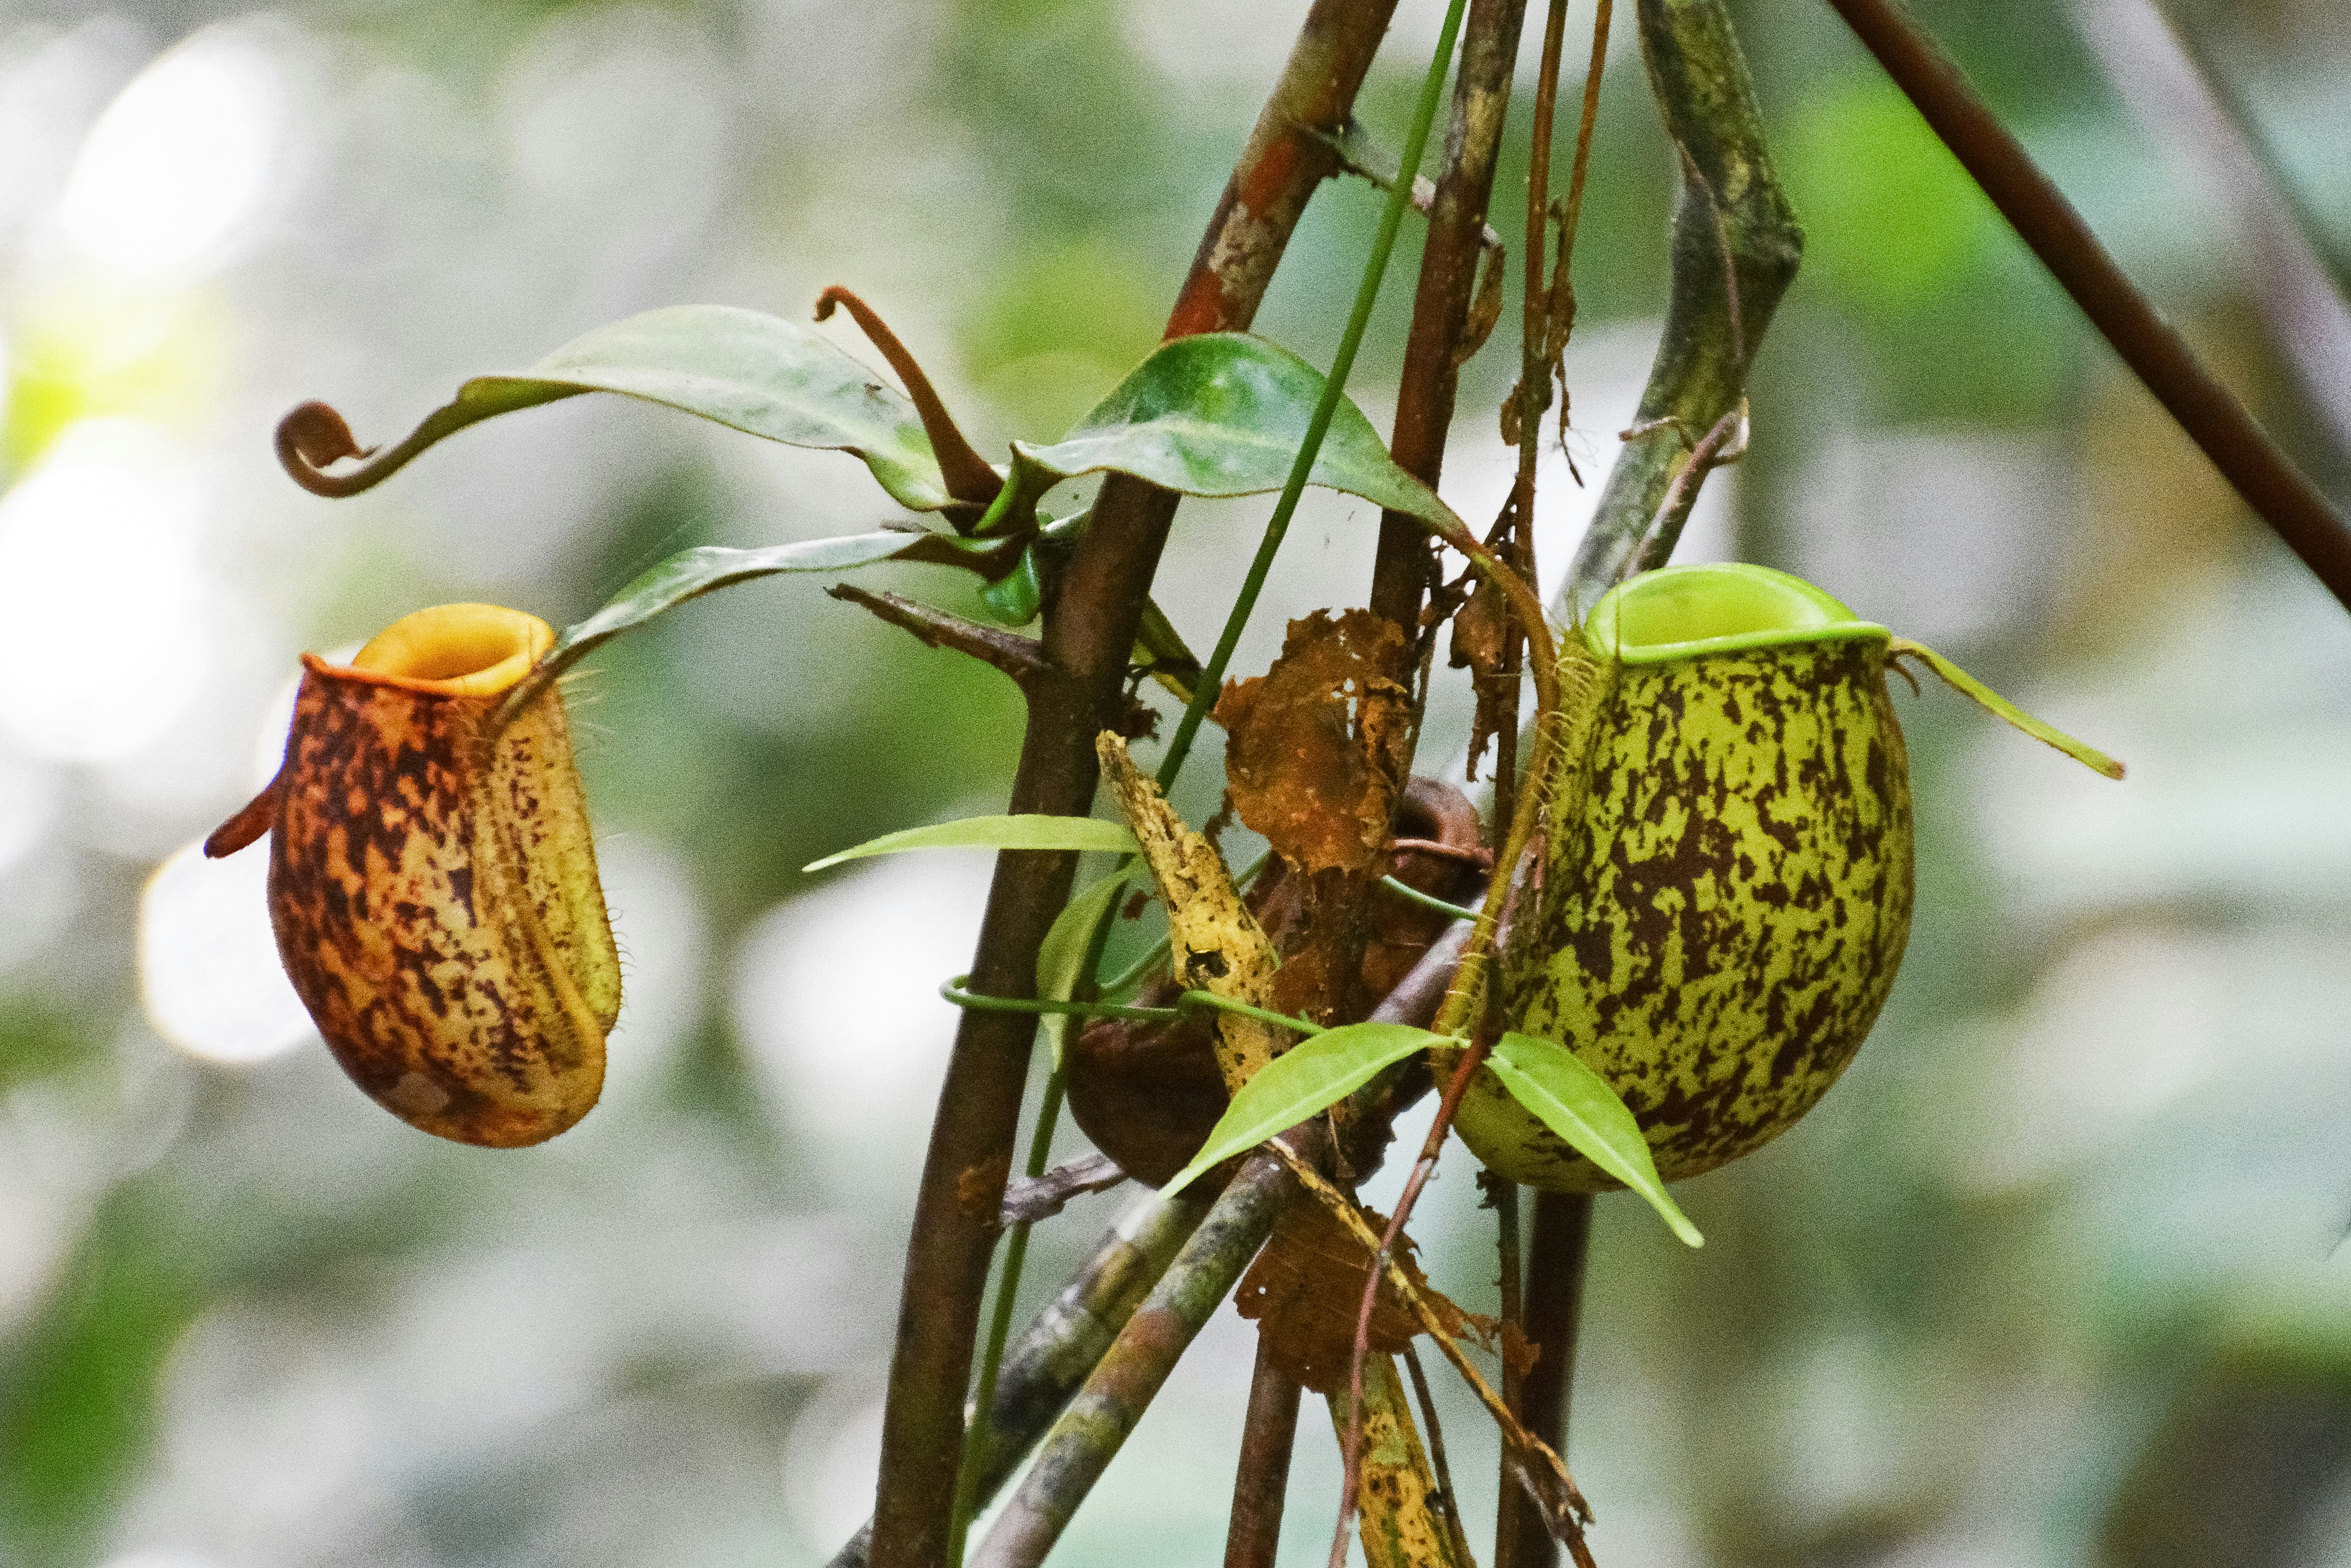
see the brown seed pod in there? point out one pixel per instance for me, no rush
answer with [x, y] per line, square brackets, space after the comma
[432, 885]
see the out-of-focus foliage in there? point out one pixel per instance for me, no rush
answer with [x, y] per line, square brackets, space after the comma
[2050, 1278]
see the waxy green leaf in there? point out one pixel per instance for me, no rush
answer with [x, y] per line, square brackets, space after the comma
[1223, 414]
[749, 372]
[1310, 1076]
[694, 572]
[1061, 959]
[1578, 1104]
[1021, 832]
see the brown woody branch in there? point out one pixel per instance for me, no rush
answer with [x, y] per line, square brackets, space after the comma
[1067, 1337]
[1261, 1480]
[1090, 632]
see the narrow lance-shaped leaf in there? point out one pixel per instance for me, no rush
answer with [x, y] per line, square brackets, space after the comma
[2000, 708]
[1021, 832]
[1061, 959]
[1310, 1076]
[1223, 414]
[749, 372]
[694, 572]
[1578, 1104]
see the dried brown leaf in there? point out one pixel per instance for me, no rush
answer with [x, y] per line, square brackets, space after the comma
[1520, 1354]
[1306, 1287]
[1314, 753]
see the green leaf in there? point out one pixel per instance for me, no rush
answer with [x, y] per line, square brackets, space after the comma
[1015, 597]
[1024, 832]
[1223, 414]
[752, 372]
[2000, 708]
[1062, 960]
[1578, 1104]
[694, 572]
[1310, 1076]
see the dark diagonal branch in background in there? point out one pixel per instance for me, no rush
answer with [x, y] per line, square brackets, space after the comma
[2267, 479]
[1731, 225]
[1088, 634]
[1061, 1345]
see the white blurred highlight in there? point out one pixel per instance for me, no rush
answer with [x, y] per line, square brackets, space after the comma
[835, 995]
[178, 163]
[208, 969]
[107, 636]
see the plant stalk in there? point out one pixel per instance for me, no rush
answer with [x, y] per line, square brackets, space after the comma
[1736, 247]
[1335, 387]
[1088, 637]
[1554, 1310]
[1449, 276]
[1061, 1344]
[1261, 1480]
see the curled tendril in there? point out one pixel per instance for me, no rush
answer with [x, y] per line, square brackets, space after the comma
[314, 436]
[969, 476]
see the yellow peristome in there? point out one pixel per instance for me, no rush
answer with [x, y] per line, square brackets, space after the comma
[457, 650]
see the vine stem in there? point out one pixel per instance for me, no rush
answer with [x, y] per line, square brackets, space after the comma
[1088, 634]
[999, 1329]
[1335, 387]
[1461, 1001]
[1535, 359]
[2261, 473]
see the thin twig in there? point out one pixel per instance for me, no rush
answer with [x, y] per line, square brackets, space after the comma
[1018, 657]
[1502, 1197]
[1451, 1499]
[2261, 473]
[1535, 1456]
[1032, 1198]
[1261, 1479]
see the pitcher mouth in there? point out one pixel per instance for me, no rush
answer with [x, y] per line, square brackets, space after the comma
[450, 650]
[1685, 611]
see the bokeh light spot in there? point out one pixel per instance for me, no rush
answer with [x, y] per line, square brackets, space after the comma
[208, 969]
[107, 639]
[177, 162]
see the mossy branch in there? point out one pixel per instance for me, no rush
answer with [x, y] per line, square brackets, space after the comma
[1736, 246]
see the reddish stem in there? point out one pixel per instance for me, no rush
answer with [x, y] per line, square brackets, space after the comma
[968, 477]
[1457, 1085]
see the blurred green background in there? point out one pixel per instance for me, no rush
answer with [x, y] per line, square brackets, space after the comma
[2056, 1277]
